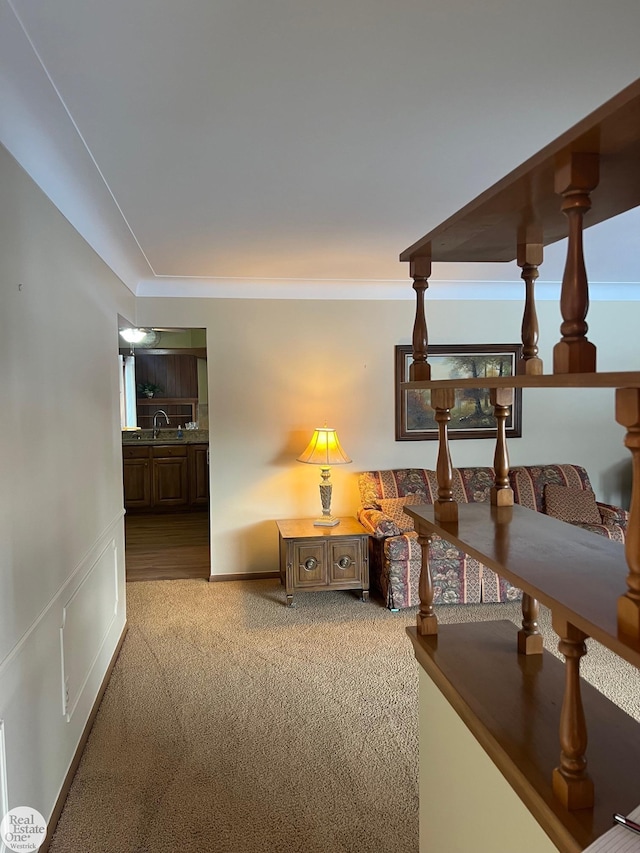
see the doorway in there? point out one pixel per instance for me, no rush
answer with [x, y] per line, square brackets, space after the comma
[165, 454]
[173, 547]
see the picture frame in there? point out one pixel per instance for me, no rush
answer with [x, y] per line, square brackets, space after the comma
[472, 416]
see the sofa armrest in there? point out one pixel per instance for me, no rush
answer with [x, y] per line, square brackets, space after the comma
[613, 515]
[378, 523]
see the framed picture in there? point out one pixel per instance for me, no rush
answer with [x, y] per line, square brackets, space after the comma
[472, 416]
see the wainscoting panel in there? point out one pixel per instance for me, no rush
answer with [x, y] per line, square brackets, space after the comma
[4, 793]
[94, 603]
[71, 641]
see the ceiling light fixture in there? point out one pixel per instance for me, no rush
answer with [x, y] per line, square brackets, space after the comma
[133, 336]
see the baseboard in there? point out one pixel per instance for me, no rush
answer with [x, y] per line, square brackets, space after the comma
[245, 576]
[66, 785]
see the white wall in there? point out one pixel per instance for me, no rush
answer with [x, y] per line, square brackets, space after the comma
[278, 368]
[62, 601]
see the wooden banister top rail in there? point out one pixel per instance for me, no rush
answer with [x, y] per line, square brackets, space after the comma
[490, 227]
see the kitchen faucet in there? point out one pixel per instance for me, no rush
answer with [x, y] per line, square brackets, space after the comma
[156, 428]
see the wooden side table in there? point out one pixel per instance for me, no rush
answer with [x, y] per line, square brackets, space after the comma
[322, 558]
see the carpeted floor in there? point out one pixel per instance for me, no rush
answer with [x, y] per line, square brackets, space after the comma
[233, 724]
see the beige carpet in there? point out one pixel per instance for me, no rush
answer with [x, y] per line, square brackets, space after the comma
[233, 724]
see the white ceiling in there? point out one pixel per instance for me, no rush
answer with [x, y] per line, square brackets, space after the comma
[241, 142]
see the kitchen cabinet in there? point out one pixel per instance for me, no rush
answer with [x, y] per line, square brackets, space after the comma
[137, 477]
[198, 474]
[169, 476]
[165, 477]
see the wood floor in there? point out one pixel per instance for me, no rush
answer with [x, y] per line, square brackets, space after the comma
[167, 547]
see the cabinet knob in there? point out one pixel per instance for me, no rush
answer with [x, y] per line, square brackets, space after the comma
[309, 565]
[344, 562]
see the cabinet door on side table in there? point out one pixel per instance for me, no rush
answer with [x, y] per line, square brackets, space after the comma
[309, 564]
[170, 476]
[345, 561]
[137, 477]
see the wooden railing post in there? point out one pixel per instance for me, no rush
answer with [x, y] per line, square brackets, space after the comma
[420, 369]
[576, 176]
[530, 640]
[529, 258]
[444, 507]
[501, 400]
[628, 415]
[571, 783]
[427, 621]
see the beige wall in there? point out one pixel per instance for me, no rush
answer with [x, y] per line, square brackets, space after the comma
[279, 368]
[62, 602]
[466, 804]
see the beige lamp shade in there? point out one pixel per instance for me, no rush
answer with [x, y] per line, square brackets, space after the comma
[324, 449]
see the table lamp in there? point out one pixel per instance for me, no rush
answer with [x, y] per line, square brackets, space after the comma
[324, 450]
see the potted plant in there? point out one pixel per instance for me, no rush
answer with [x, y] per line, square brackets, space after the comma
[148, 389]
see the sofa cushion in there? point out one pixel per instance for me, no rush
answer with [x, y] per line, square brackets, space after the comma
[528, 482]
[394, 508]
[472, 485]
[396, 483]
[611, 531]
[575, 505]
[468, 484]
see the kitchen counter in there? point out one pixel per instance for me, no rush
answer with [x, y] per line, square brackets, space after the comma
[165, 436]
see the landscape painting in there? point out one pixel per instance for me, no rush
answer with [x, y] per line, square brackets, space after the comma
[472, 415]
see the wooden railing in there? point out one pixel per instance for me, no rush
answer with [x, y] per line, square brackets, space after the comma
[594, 588]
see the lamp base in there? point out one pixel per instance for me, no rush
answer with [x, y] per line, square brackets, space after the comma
[326, 521]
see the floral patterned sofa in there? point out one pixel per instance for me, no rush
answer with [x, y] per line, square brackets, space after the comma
[563, 491]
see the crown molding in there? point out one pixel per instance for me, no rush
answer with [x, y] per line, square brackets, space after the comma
[350, 289]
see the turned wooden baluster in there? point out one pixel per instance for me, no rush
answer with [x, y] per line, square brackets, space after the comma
[420, 369]
[529, 257]
[571, 783]
[427, 620]
[501, 493]
[576, 176]
[530, 640]
[628, 415]
[444, 507]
